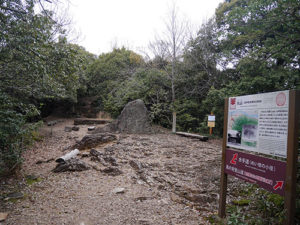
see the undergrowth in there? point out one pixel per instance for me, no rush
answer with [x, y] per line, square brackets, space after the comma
[255, 206]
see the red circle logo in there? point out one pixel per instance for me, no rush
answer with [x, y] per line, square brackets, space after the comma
[280, 99]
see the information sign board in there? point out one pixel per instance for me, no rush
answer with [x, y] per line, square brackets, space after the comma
[259, 123]
[211, 118]
[211, 124]
[264, 123]
[267, 173]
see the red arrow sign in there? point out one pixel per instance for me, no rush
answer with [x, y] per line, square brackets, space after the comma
[279, 184]
[234, 158]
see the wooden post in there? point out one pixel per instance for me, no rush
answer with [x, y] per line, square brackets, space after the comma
[292, 156]
[223, 187]
[211, 129]
[174, 123]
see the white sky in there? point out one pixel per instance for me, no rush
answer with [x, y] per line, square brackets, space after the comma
[132, 23]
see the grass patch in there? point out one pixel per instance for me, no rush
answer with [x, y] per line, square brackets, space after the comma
[31, 179]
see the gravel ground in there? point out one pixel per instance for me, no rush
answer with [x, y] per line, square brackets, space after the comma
[166, 179]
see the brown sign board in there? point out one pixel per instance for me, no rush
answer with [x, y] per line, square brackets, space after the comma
[267, 124]
[267, 173]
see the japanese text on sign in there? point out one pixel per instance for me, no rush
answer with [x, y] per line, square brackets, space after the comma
[259, 123]
[268, 173]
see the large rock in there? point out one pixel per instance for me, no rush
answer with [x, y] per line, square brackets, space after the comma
[134, 119]
[93, 140]
[71, 165]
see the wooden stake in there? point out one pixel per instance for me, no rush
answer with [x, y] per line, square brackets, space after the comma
[211, 129]
[223, 188]
[292, 156]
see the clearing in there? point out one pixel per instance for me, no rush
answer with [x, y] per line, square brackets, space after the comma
[166, 179]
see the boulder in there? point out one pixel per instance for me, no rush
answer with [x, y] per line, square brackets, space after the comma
[134, 119]
[93, 140]
[71, 165]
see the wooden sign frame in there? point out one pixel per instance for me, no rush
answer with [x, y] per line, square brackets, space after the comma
[291, 161]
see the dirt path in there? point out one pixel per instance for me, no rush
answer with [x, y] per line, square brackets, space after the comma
[167, 179]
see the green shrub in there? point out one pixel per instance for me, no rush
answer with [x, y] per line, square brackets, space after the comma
[15, 133]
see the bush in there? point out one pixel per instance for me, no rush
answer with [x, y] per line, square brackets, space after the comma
[15, 134]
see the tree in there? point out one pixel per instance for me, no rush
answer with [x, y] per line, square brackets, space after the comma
[258, 48]
[200, 62]
[110, 69]
[149, 84]
[36, 64]
[261, 39]
[170, 46]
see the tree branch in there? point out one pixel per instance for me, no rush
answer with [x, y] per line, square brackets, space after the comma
[13, 10]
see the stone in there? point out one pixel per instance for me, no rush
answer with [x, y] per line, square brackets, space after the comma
[141, 199]
[31, 177]
[112, 171]
[135, 165]
[14, 195]
[97, 156]
[110, 160]
[134, 119]
[110, 128]
[68, 129]
[118, 191]
[75, 128]
[84, 155]
[52, 123]
[95, 153]
[93, 140]
[176, 198]
[3, 216]
[91, 128]
[71, 165]
[44, 161]
[197, 198]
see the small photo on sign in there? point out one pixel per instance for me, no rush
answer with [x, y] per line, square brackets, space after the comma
[249, 135]
[234, 137]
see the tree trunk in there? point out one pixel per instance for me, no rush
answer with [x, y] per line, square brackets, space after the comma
[200, 137]
[68, 156]
[173, 86]
[174, 122]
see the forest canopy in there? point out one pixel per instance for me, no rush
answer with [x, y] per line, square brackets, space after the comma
[248, 47]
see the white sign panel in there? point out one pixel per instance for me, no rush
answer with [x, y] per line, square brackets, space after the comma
[259, 123]
[211, 118]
